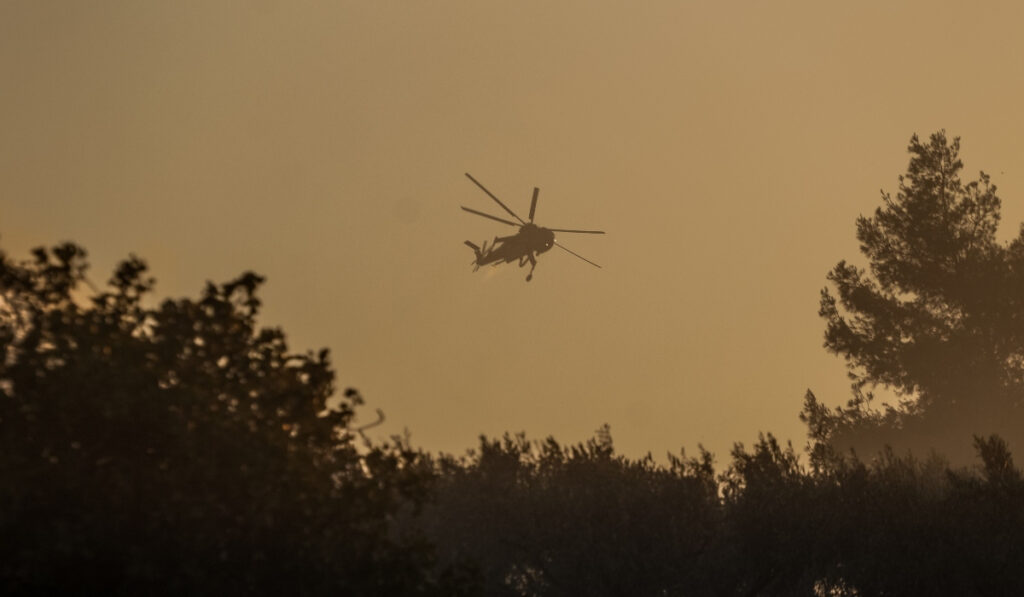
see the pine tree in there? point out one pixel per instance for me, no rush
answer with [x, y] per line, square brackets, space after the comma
[937, 316]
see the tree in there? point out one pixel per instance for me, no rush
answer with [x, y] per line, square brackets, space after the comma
[181, 449]
[541, 518]
[938, 315]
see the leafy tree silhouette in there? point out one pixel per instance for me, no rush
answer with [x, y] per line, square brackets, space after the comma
[541, 518]
[936, 316]
[179, 449]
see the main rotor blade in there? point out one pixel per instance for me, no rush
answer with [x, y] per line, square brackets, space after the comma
[533, 203]
[577, 231]
[491, 195]
[480, 213]
[561, 246]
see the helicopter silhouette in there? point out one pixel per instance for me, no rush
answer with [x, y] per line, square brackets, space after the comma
[523, 246]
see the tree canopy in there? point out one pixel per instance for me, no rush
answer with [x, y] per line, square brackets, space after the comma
[179, 448]
[935, 315]
[545, 519]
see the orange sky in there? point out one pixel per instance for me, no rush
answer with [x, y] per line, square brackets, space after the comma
[726, 148]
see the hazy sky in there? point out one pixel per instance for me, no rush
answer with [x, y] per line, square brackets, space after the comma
[726, 147]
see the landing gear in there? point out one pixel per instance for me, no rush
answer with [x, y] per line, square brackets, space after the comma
[533, 264]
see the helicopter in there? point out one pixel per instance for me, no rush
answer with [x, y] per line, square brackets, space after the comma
[523, 246]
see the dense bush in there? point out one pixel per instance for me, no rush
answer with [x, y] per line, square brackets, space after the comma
[543, 519]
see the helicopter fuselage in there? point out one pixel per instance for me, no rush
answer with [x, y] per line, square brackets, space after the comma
[531, 240]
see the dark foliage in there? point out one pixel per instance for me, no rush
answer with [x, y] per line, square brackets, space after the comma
[179, 449]
[579, 520]
[543, 519]
[935, 317]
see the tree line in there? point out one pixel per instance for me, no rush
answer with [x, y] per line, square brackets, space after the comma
[180, 448]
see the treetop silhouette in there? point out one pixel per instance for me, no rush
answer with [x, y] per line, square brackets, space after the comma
[182, 449]
[936, 315]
